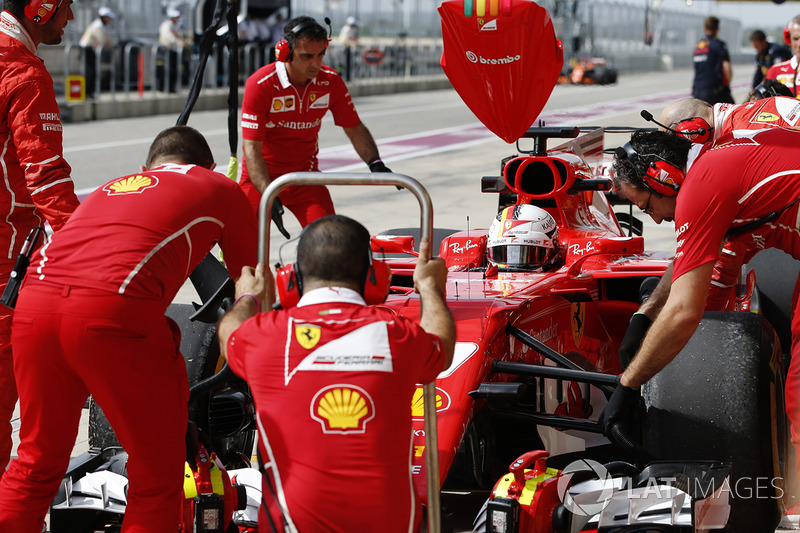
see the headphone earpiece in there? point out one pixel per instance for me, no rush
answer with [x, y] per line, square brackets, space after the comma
[663, 178]
[787, 36]
[283, 52]
[695, 129]
[377, 282]
[40, 11]
[660, 176]
[290, 285]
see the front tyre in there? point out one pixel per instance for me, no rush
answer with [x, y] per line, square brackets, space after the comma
[721, 399]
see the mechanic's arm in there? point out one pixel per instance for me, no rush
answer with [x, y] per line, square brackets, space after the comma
[363, 142]
[674, 326]
[643, 318]
[254, 291]
[35, 125]
[256, 166]
[430, 276]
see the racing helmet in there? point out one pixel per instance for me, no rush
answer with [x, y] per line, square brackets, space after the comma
[524, 238]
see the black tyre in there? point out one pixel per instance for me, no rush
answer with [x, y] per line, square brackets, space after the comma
[776, 275]
[200, 350]
[719, 399]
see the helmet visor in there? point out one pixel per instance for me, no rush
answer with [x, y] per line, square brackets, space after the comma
[520, 256]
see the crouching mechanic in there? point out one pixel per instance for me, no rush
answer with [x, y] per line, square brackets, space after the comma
[90, 319]
[744, 191]
[333, 396]
[700, 122]
[282, 110]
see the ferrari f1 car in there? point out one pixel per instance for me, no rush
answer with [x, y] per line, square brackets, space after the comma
[537, 355]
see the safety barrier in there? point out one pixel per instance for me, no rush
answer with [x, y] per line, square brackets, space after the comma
[138, 66]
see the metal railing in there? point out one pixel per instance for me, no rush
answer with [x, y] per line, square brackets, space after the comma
[147, 67]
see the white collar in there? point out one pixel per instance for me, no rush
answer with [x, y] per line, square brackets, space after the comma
[283, 76]
[793, 62]
[693, 154]
[12, 27]
[325, 295]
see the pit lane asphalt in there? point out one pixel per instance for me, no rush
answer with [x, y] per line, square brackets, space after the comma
[431, 136]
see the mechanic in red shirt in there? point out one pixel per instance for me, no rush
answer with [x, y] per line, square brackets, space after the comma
[786, 72]
[284, 103]
[333, 396]
[690, 116]
[90, 319]
[700, 122]
[746, 176]
[36, 185]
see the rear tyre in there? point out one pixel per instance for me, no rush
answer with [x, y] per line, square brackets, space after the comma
[720, 399]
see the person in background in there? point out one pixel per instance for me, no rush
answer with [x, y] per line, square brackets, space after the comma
[37, 183]
[171, 38]
[282, 110]
[90, 319]
[767, 55]
[348, 35]
[712, 66]
[786, 72]
[94, 39]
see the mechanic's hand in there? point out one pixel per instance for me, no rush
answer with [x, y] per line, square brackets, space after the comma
[429, 274]
[376, 165]
[637, 329]
[277, 217]
[624, 409]
[256, 281]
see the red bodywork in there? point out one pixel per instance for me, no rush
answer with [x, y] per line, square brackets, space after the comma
[581, 309]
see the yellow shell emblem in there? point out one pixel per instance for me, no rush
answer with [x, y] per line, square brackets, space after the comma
[342, 409]
[131, 184]
[418, 406]
[307, 335]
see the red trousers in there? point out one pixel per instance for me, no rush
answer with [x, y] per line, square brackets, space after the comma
[69, 342]
[306, 202]
[8, 387]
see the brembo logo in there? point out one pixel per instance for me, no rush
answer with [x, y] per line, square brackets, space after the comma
[473, 58]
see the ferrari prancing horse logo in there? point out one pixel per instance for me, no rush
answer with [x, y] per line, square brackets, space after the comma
[578, 317]
[307, 335]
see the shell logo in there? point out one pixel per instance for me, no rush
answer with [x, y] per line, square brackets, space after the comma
[277, 105]
[418, 406]
[131, 184]
[342, 409]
